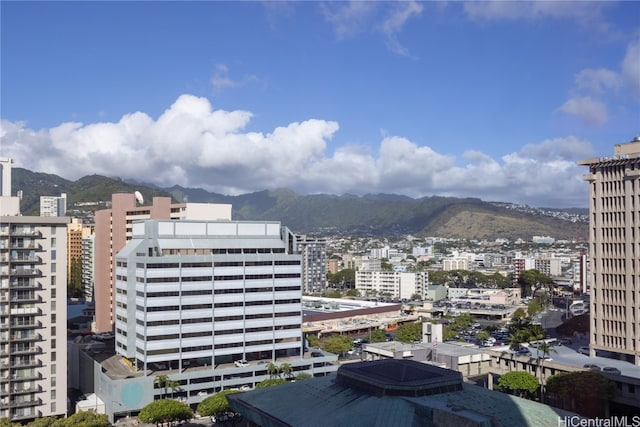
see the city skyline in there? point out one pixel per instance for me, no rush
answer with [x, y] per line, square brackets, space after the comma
[496, 100]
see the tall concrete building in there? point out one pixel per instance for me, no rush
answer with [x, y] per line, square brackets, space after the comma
[614, 249]
[314, 262]
[88, 267]
[53, 205]
[76, 232]
[33, 310]
[113, 229]
[192, 293]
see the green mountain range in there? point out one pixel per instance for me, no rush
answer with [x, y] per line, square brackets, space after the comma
[370, 215]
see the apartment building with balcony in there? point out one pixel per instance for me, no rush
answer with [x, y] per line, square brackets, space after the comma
[33, 310]
[392, 284]
[614, 250]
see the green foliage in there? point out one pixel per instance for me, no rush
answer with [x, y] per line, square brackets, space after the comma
[303, 376]
[74, 281]
[519, 314]
[386, 265]
[377, 336]
[529, 280]
[533, 308]
[83, 419]
[337, 344]
[287, 370]
[217, 404]
[584, 392]
[416, 296]
[313, 340]
[349, 214]
[353, 293]
[409, 332]
[519, 383]
[273, 370]
[51, 421]
[468, 279]
[163, 381]
[270, 383]
[345, 278]
[165, 411]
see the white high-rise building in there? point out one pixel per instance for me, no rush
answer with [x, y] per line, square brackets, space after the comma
[88, 266]
[614, 249]
[391, 284]
[202, 293]
[314, 262]
[53, 205]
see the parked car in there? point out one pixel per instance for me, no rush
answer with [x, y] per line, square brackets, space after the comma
[611, 370]
[316, 354]
[584, 350]
[523, 352]
[241, 363]
[565, 341]
[592, 367]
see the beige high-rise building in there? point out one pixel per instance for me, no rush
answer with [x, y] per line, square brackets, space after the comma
[113, 229]
[33, 310]
[76, 231]
[614, 249]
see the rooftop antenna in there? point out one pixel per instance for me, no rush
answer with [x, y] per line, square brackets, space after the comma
[139, 197]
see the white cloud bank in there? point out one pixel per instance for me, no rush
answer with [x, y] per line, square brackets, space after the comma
[193, 145]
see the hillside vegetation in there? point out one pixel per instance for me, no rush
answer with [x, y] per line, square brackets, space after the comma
[369, 215]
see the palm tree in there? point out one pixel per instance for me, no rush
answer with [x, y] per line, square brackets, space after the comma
[273, 370]
[546, 349]
[173, 385]
[162, 382]
[287, 370]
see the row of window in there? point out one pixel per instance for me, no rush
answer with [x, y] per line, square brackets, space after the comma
[217, 305]
[210, 348]
[220, 278]
[208, 333]
[217, 319]
[205, 292]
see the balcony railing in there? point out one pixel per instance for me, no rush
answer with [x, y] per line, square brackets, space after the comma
[35, 363]
[29, 325]
[26, 337]
[26, 258]
[21, 403]
[25, 232]
[27, 298]
[25, 272]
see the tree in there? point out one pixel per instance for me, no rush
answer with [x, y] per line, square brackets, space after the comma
[337, 344]
[409, 332]
[74, 281]
[51, 421]
[216, 405]
[273, 370]
[79, 419]
[303, 376]
[313, 340]
[287, 370]
[584, 392]
[546, 349]
[519, 383]
[165, 411]
[377, 335]
[353, 293]
[416, 296]
[162, 381]
[270, 383]
[519, 315]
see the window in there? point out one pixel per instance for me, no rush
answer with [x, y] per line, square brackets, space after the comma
[53, 290]
[53, 368]
[53, 381]
[53, 254]
[53, 267]
[53, 355]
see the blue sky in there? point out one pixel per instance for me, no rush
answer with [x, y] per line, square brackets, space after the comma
[496, 100]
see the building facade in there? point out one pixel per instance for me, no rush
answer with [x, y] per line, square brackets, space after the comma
[113, 229]
[88, 267]
[392, 284]
[53, 205]
[197, 293]
[33, 311]
[614, 249]
[314, 262]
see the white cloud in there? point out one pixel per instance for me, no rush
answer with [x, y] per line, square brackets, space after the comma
[598, 81]
[631, 68]
[194, 145]
[221, 79]
[388, 18]
[592, 111]
[585, 12]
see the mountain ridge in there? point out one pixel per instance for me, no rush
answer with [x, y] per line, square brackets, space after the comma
[348, 214]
